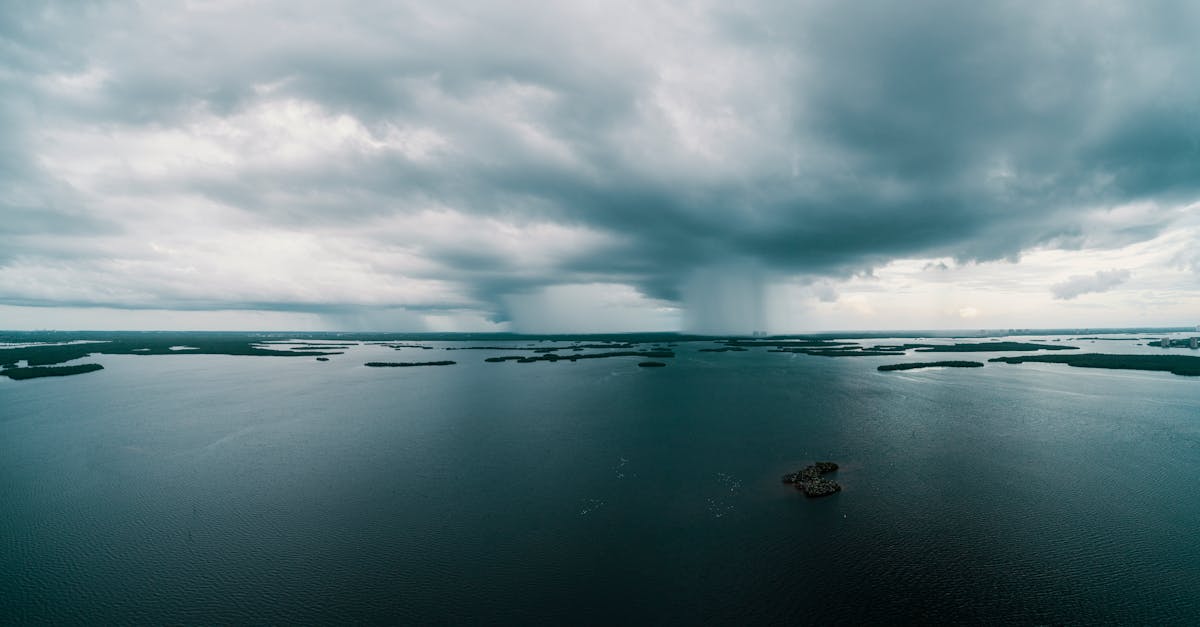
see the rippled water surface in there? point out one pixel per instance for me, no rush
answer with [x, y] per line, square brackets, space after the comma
[216, 489]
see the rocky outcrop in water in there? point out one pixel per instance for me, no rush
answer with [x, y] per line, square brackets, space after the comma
[810, 481]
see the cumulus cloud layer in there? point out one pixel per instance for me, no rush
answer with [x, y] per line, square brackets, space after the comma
[446, 158]
[1101, 281]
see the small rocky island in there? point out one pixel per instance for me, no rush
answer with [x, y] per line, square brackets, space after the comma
[810, 481]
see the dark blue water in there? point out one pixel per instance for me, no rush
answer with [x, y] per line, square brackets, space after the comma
[212, 489]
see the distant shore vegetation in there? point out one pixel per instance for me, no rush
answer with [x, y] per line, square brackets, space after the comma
[1184, 365]
[522, 359]
[28, 355]
[917, 365]
[129, 343]
[829, 348]
[38, 372]
[987, 347]
[407, 364]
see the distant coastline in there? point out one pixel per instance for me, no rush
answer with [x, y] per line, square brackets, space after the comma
[38, 372]
[917, 365]
[1184, 365]
[407, 364]
[28, 354]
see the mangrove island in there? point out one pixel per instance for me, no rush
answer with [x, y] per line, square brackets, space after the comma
[1184, 365]
[931, 364]
[406, 364]
[37, 372]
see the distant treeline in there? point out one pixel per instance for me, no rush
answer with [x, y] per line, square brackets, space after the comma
[1185, 365]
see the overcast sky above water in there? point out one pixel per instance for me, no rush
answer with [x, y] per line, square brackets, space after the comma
[575, 166]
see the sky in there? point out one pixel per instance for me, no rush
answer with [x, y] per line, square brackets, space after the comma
[564, 167]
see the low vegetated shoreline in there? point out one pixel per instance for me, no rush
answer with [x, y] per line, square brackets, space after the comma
[1183, 365]
[916, 365]
[521, 359]
[407, 364]
[38, 372]
[42, 354]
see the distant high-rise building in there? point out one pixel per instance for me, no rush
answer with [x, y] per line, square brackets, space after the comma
[1194, 343]
[1165, 342]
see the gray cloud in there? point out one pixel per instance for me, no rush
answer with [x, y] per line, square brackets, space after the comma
[1101, 281]
[817, 139]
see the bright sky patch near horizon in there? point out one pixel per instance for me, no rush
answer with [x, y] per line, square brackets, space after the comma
[599, 167]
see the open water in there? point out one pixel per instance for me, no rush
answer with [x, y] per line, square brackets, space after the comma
[201, 489]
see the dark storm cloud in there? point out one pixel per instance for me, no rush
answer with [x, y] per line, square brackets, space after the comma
[817, 139]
